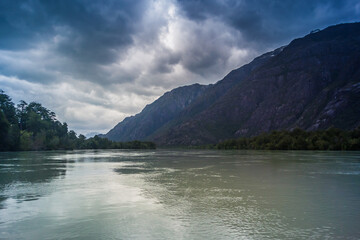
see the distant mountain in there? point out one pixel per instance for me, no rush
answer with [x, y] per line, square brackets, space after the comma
[312, 83]
[92, 134]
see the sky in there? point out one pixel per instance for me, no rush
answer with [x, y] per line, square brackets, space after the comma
[96, 62]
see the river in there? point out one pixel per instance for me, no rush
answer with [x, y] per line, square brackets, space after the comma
[179, 194]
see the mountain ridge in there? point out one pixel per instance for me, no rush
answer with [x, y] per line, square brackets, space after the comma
[312, 83]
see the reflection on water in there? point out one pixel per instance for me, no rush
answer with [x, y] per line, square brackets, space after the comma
[18, 171]
[132, 170]
[166, 194]
[29, 167]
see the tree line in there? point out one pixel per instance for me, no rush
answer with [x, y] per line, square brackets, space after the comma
[297, 139]
[25, 127]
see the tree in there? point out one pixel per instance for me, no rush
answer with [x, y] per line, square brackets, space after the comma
[13, 137]
[25, 141]
[4, 128]
[21, 112]
[8, 108]
[33, 122]
[34, 127]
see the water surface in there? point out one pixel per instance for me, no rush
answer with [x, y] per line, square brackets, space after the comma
[179, 194]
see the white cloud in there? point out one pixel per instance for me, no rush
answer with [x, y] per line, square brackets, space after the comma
[84, 108]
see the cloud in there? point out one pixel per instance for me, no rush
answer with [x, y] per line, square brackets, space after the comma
[90, 108]
[96, 62]
[270, 22]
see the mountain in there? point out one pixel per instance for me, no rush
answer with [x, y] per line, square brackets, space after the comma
[312, 83]
[179, 103]
[155, 115]
[92, 134]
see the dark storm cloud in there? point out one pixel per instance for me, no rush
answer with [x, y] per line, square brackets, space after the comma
[89, 26]
[165, 61]
[20, 25]
[94, 29]
[208, 51]
[87, 33]
[270, 22]
[83, 36]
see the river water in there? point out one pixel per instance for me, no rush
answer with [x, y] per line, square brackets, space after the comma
[179, 194]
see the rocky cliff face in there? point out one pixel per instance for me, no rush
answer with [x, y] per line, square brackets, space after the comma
[313, 83]
[155, 115]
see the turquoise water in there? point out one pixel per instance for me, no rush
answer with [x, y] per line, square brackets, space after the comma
[179, 194]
